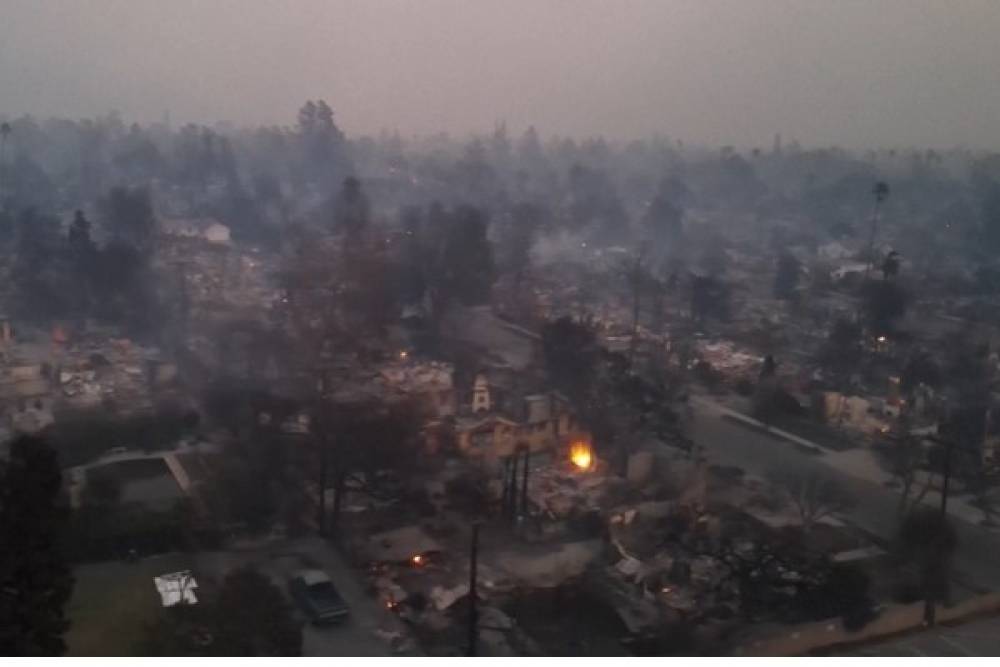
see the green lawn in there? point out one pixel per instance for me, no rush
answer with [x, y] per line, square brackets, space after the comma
[113, 602]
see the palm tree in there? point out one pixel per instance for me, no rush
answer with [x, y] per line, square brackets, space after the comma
[881, 192]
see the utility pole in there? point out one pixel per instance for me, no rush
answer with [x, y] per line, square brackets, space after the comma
[512, 497]
[946, 473]
[930, 612]
[323, 474]
[524, 481]
[505, 494]
[473, 611]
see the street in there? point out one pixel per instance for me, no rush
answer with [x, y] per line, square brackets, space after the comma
[731, 443]
[975, 638]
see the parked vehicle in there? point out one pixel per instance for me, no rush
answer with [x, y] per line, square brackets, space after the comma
[315, 594]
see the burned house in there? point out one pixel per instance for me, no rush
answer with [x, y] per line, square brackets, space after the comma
[492, 428]
[26, 397]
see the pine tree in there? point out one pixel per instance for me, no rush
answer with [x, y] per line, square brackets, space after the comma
[35, 580]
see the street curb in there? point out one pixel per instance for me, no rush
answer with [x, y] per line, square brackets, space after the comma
[776, 434]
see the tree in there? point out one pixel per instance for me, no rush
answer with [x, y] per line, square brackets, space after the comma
[890, 265]
[255, 468]
[920, 369]
[39, 273]
[447, 258]
[709, 297]
[624, 408]
[128, 215]
[765, 400]
[475, 176]
[352, 209]
[738, 181]
[814, 496]
[772, 578]
[414, 255]
[253, 619]
[322, 142]
[35, 581]
[80, 243]
[904, 459]
[639, 280]
[359, 440]
[595, 205]
[571, 354]
[367, 295]
[138, 159]
[83, 257]
[464, 270]
[521, 230]
[244, 493]
[123, 287]
[786, 279]
[844, 592]
[962, 434]
[664, 217]
[927, 539]
[884, 303]
[842, 351]
[249, 618]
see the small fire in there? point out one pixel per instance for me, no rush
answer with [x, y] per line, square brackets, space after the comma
[403, 354]
[417, 560]
[580, 455]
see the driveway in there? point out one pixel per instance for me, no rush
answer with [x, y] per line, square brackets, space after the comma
[371, 629]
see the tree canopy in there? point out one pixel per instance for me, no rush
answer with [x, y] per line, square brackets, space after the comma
[35, 580]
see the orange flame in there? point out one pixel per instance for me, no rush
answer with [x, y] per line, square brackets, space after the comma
[580, 455]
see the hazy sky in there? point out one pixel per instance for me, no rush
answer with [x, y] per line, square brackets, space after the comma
[852, 72]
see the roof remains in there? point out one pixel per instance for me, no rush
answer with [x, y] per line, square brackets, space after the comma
[176, 587]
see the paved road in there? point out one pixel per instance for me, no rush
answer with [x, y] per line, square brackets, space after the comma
[363, 634]
[976, 638]
[731, 443]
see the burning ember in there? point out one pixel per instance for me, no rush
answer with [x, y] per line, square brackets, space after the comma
[417, 560]
[581, 456]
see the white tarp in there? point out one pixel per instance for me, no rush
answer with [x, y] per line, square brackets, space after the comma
[176, 587]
